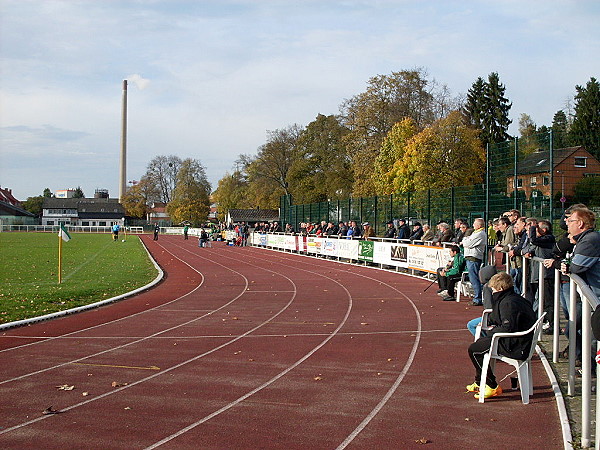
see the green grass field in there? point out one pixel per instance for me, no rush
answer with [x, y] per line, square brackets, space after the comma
[94, 268]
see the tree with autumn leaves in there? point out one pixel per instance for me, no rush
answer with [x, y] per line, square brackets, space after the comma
[447, 153]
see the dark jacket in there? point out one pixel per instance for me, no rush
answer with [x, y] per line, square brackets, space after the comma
[512, 313]
[403, 232]
[390, 233]
[417, 234]
[540, 246]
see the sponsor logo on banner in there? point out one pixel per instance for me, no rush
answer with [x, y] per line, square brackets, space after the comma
[329, 247]
[399, 253]
[365, 250]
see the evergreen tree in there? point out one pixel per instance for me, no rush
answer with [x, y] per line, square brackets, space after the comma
[560, 127]
[585, 129]
[473, 109]
[47, 193]
[78, 193]
[495, 114]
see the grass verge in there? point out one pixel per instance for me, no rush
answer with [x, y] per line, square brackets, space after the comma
[94, 268]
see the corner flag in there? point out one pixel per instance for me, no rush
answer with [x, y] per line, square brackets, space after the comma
[64, 234]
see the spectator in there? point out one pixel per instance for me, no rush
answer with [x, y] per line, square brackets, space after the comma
[342, 229]
[427, 233]
[368, 231]
[586, 253]
[390, 231]
[512, 215]
[444, 234]
[541, 244]
[475, 246]
[563, 249]
[353, 230]
[330, 230]
[448, 276]
[507, 241]
[156, 231]
[417, 232]
[485, 274]
[510, 313]
[185, 232]
[459, 231]
[202, 238]
[520, 229]
[403, 230]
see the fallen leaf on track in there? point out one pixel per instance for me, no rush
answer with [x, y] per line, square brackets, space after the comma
[115, 384]
[65, 387]
[423, 441]
[49, 410]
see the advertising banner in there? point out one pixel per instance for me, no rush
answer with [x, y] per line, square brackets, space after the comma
[347, 248]
[390, 254]
[330, 247]
[365, 250]
[426, 258]
[289, 242]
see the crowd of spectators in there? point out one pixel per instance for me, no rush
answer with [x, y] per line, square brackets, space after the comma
[508, 239]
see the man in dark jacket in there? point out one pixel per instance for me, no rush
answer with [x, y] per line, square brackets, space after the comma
[403, 230]
[541, 244]
[390, 231]
[510, 313]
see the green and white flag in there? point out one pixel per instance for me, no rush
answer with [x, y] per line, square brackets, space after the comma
[64, 234]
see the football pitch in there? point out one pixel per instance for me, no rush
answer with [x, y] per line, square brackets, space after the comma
[94, 268]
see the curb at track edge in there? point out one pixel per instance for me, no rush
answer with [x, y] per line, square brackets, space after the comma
[159, 277]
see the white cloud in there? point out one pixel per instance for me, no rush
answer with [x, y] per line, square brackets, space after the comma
[222, 73]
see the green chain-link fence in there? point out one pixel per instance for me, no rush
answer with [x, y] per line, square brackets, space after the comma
[527, 174]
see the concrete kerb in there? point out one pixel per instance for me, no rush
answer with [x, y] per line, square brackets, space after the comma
[160, 275]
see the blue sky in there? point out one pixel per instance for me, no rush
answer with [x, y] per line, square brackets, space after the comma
[215, 76]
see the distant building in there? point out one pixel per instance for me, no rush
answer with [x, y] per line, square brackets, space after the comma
[11, 211]
[158, 213]
[64, 193]
[569, 166]
[252, 216]
[84, 212]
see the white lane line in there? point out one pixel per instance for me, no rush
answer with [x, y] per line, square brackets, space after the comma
[162, 372]
[402, 374]
[136, 341]
[269, 382]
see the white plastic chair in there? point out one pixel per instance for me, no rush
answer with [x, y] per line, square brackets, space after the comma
[463, 286]
[483, 325]
[523, 368]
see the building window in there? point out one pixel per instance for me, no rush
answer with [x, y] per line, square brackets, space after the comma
[85, 224]
[50, 222]
[533, 181]
[580, 161]
[519, 182]
[546, 181]
[101, 224]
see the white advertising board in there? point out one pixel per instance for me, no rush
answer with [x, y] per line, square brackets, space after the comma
[391, 254]
[426, 258]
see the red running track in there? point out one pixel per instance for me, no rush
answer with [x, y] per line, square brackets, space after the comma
[249, 348]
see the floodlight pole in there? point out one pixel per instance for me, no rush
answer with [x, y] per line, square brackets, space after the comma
[123, 161]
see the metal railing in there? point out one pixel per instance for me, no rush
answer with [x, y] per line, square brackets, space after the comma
[589, 303]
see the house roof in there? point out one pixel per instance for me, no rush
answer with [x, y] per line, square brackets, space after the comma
[87, 206]
[539, 161]
[253, 215]
[6, 209]
[7, 197]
